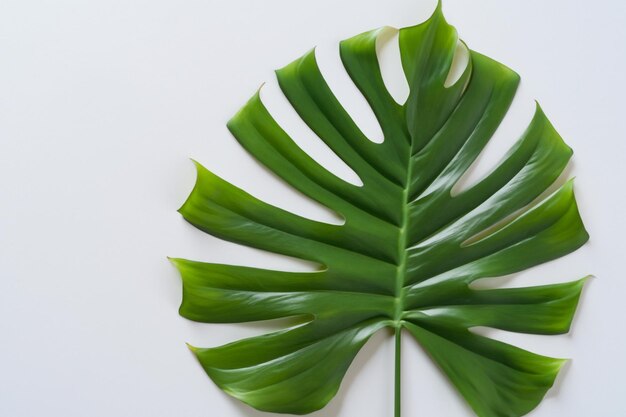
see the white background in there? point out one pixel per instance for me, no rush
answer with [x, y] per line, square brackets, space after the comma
[103, 102]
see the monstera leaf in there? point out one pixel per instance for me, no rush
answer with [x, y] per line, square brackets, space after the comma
[409, 248]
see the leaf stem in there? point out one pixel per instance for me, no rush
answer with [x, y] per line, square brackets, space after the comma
[398, 374]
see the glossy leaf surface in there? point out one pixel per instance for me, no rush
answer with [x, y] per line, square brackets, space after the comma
[409, 248]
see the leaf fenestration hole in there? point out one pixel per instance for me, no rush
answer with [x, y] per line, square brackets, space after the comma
[207, 334]
[388, 53]
[288, 198]
[347, 93]
[562, 179]
[544, 274]
[459, 63]
[261, 327]
[259, 181]
[532, 342]
[241, 255]
[508, 133]
[286, 116]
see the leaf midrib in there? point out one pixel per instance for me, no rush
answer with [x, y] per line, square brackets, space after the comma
[402, 248]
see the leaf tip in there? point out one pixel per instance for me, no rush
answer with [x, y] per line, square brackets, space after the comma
[258, 90]
[438, 12]
[199, 168]
[192, 348]
[584, 279]
[294, 66]
[173, 261]
[561, 362]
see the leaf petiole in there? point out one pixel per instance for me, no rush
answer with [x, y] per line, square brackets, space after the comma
[398, 375]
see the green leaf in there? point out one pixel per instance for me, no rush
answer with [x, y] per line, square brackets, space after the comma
[409, 248]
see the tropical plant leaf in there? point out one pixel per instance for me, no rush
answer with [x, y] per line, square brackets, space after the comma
[409, 248]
